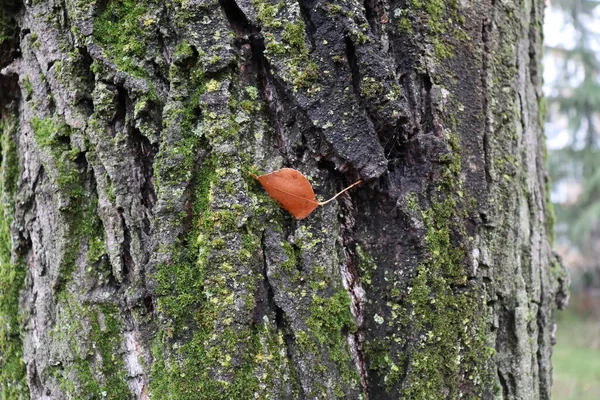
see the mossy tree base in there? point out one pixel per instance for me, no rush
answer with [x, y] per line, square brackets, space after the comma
[139, 259]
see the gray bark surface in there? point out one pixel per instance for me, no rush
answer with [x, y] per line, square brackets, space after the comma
[139, 259]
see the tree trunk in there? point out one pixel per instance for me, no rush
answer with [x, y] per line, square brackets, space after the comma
[140, 259]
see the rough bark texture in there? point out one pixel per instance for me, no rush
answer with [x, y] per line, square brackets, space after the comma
[139, 259]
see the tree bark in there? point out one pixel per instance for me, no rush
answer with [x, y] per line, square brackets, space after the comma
[139, 259]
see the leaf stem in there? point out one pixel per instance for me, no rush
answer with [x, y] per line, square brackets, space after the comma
[322, 203]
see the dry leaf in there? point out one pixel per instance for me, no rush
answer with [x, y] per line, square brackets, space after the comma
[293, 191]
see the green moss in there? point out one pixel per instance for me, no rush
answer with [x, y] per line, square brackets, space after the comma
[47, 132]
[53, 136]
[333, 9]
[441, 315]
[294, 35]
[96, 249]
[195, 293]
[212, 85]
[207, 346]
[177, 159]
[28, 86]
[437, 13]
[106, 338]
[405, 26]
[93, 333]
[33, 40]
[292, 258]
[86, 234]
[306, 76]
[252, 92]
[183, 51]
[12, 273]
[203, 351]
[307, 239]
[370, 87]
[285, 44]
[443, 253]
[120, 30]
[329, 322]
[189, 378]
[9, 160]
[270, 359]
[111, 192]
[359, 37]
[219, 128]
[267, 13]
[442, 49]
[449, 330]
[366, 266]
[58, 65]
[440, 20]
[450, 324]
[249, 106]
[176, 278]
[101, 370]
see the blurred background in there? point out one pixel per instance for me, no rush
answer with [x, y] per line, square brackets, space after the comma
[572, 88]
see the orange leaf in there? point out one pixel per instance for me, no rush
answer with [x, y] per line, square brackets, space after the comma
[293, 191]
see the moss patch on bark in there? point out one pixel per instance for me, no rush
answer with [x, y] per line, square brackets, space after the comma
[12, 273]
